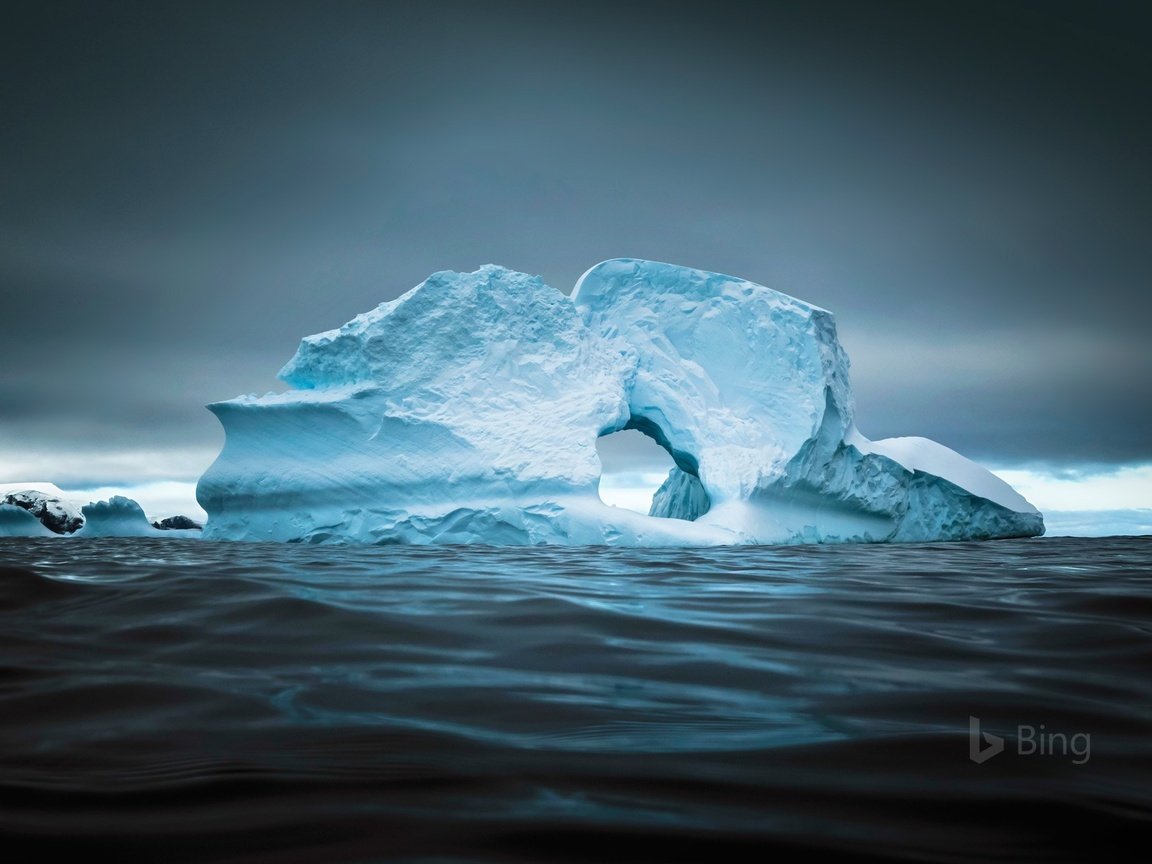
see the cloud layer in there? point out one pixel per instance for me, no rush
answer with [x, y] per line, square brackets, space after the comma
[187, 189]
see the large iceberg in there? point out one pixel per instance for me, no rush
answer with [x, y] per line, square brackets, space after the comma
[467, 411]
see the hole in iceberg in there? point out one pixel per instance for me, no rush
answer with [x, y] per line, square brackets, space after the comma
[636, 465]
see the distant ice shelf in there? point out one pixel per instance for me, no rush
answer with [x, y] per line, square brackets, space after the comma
[467, 411]
[47, 512]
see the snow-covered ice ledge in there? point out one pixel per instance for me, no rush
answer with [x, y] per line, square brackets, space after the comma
[467, 411]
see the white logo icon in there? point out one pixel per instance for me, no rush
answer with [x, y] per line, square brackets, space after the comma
[977, 752]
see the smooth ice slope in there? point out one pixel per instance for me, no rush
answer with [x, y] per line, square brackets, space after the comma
[17, 522]
[467, 410]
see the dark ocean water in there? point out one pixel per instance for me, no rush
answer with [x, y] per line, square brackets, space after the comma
[184, 701]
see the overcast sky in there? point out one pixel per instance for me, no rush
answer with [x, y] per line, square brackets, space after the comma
[187, 189]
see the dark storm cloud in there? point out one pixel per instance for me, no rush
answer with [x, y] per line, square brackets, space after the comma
[186, 190]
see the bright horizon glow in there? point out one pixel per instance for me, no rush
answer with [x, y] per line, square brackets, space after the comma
[1078, 502]
[1127, 487]
[632, 490]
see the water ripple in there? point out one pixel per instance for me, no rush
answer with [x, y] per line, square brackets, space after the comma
[192, 701]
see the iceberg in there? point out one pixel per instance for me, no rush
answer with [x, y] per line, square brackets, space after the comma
[16, 521]
[54, 513]
[467, 411]
[177, 523]
[117, 517]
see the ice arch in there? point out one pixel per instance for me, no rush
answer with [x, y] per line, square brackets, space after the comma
[731, 377]
[641, 475]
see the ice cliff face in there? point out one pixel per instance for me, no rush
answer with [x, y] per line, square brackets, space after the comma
[680, 496]
[467, 410]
